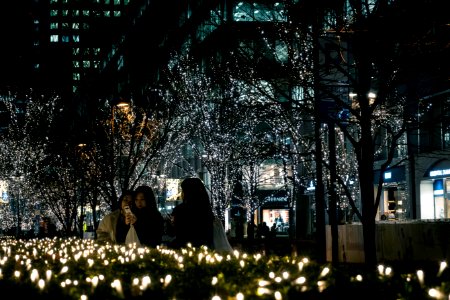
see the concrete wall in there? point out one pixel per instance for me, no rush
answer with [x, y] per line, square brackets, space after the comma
[408, 241]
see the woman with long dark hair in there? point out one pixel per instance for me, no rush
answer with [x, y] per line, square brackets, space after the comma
[150, 224]
[193, 218]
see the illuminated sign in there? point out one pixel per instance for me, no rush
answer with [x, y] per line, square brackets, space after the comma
[443, 172]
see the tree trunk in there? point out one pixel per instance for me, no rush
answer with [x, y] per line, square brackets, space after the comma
[366, 164]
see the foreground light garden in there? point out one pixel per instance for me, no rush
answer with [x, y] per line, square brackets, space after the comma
[83, 269]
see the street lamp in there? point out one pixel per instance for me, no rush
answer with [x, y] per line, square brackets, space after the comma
[119, 103]
[122, 105]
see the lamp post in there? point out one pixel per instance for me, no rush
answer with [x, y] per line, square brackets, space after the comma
[122, 105]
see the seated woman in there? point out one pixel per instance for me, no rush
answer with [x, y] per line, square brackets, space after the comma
[114, 226]
[150, 223]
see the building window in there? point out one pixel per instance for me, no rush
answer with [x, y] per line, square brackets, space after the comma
[86, 64]
[281, 51]
[53, 13]
[54, 38]
[107, 2]
[117, 13]
[86, 13]
[116, 2]
[75, 26]
[75, 13]
[53, 25]
[65, 12]
[107, 13]
[259, 12]
[76, 76]
[76, 64]
[76, 38]
[76, 51]
[447, 140]
[65, 39]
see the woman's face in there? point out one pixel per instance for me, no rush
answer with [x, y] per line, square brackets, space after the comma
[139, 201]
[126, 201]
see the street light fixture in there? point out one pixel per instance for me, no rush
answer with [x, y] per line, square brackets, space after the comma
[121, 104]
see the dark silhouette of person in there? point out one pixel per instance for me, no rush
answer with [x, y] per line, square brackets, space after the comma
[149, 221]
[265, 230]
[193, 218]
[251, 231]
[47, 228]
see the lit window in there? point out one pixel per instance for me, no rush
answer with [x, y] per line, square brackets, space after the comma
[107, 13]
[53, 25]
[86, 13]
[76, 76]
[65, 39]
[96, 64]
[36, 66]
[76, 64]
[76, 38]
[65, 12]
[53, 12]
[116, 2]
[126, 2]
[75, 13]
[117, 13]
[54, 38]
[76, 51]
[53, 1]
[107, 1]
[86, 63]
[65, 25]
[75, 25]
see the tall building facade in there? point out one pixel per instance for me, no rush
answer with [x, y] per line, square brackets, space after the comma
[217, 27]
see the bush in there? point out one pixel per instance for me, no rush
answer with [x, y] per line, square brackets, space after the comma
[83, 269]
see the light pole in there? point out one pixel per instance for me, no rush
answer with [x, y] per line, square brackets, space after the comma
[122, 105]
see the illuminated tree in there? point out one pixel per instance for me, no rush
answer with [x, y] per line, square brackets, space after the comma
[24, 146]
[225, 128]
[128, 146]
[336, 77]
[327, 61]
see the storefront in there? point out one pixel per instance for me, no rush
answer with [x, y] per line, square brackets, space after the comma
[435, 192]
[275, 210]
[393, 203]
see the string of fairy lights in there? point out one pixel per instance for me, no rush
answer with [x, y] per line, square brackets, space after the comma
[83, 269]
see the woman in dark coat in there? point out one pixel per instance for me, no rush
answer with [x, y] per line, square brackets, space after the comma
[193, 218]
[149, 224]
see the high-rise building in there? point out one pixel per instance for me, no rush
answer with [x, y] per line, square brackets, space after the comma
[54, 45]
